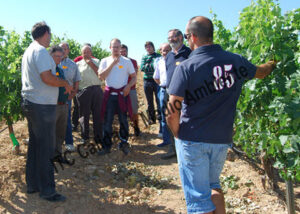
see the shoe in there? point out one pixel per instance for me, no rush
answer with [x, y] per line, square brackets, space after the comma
[124, 147]
[55, 198]
[31, 191]
[137, 131]
[70, 147]
[159, 117]
[74, 128]
[63, 160]
[160, 135]
[169, 155]
[150, 122]
[103, 152]
[162, 144]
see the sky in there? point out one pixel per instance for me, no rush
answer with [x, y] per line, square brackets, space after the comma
[133, 21]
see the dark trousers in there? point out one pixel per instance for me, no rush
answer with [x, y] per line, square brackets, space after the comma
[90, 101]
[171, 136]
[75, 115]
[113, 107]
[69, 137]
[41, 127]
[61, 126]
[150, 88]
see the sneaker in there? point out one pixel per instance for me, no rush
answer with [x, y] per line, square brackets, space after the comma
[162, 144]
[70, 147]
[124, 146]
[160, 135]
[55, 198]
[137, 131]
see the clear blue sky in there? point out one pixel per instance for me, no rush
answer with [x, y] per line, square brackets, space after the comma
[132, 21]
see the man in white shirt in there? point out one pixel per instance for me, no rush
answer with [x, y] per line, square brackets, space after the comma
[115, 70]
[160, 77]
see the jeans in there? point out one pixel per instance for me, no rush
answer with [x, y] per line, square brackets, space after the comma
[90, 101]
[113, 107]
[150, 88]
[200, 165]
[163, 98]
[69, 137]
[41, 127]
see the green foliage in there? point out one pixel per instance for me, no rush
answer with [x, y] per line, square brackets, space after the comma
[12, 47]
[75, 47]
[229, 182]
[268, 113]
[98, 52]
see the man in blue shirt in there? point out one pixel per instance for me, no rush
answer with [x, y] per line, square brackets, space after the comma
[204, 92]
[178, 54]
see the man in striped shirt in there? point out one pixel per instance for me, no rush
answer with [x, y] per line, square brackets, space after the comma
[150, 86]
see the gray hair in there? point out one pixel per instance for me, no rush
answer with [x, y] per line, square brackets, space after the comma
[55, 48]
[86, 46]
[177, 32]
[64, 43]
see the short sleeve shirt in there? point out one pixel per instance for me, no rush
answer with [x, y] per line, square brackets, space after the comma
[71, 71]
[173, 60]
[210, 82]
[135, 66]
[160, 72]
[88, 75]
[118, 77]
[35, 61]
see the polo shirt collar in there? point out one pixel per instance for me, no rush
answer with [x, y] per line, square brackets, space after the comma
[181, 50]
[206, 48]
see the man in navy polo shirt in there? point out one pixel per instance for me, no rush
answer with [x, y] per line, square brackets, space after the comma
[204, 92]
[178, 54]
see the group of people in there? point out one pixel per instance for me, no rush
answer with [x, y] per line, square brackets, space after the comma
[196, 90]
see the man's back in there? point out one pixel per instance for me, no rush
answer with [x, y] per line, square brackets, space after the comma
[210, 82]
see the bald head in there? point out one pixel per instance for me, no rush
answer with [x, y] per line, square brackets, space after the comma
[165, 48]
[86, 52]
[202, 27]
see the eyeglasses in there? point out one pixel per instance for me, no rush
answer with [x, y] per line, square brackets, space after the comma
[187, 36]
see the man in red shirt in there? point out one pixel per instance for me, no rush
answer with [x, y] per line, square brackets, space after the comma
[132, 94]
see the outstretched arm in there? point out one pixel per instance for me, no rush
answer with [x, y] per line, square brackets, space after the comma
[265, 69]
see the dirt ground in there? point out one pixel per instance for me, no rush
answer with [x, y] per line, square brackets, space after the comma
[139, 183]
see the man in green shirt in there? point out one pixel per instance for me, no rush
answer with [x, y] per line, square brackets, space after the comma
[62, 106]
[150, 86]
